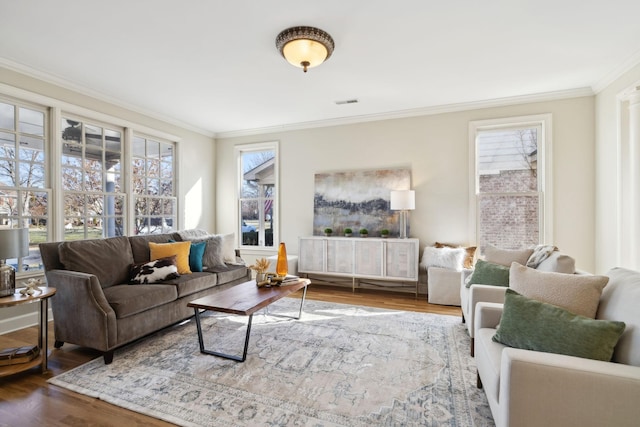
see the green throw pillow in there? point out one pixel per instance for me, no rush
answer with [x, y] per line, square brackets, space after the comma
[488, 273]
[533, 325]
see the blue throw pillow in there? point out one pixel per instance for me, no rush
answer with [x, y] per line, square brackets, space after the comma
[195, 255]
[196, 252]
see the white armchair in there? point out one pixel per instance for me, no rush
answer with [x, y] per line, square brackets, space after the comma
[528, 388]
[475, 293]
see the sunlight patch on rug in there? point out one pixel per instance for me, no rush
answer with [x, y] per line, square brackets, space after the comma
[340, 365]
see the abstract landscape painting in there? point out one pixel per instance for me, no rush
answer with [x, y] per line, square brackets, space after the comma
[358, 199]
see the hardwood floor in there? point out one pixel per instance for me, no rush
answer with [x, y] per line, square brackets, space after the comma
[26, 399]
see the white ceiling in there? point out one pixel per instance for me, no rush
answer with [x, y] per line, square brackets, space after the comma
[212, 65]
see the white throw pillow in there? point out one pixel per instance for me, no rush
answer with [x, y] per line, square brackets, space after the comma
[579, 294]
[450, 258]
[229, 247]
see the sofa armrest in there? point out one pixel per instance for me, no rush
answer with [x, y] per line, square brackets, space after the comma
[466, 272]
[550, 389]
[487, 315]
[477, 294]
[82, 314]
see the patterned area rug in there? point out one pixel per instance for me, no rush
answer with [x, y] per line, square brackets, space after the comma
[340, 365]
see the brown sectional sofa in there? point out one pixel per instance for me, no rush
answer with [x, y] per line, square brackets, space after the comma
[95, 306]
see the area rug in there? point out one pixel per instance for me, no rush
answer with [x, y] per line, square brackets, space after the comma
[339, 365]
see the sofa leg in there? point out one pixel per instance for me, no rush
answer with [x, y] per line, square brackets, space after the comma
[58, 344]
[478, 380]
[473, 342]
[108, 357]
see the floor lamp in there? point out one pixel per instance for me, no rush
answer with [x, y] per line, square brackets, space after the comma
[403, 201]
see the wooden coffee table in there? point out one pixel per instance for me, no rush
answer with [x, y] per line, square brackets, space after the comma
[245, 299]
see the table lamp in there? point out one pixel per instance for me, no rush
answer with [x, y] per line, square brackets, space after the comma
[14, 243]
[403, 201]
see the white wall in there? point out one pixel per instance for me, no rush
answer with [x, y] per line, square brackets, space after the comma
[608, 203]
[435, 148]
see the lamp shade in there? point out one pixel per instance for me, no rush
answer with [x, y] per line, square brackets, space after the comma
[14, 243]
[403, 200]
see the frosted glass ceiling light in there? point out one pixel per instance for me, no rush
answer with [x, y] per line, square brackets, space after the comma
[305, 47]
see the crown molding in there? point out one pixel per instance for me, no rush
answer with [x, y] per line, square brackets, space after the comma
[426, 111]
[615, 74]
[82, 90]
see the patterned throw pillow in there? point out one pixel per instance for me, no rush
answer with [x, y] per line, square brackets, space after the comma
[154, 271]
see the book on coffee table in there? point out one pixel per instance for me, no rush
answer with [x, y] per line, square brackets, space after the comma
[13, 356]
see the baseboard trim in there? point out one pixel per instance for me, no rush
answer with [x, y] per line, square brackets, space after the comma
[22, 321]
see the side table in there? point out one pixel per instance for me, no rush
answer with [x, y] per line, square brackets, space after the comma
[43, 336]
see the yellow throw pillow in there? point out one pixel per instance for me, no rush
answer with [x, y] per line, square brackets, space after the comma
[179, 249]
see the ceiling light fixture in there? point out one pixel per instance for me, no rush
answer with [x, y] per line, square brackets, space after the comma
[305, 47]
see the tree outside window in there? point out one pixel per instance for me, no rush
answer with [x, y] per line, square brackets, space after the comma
[155, 205]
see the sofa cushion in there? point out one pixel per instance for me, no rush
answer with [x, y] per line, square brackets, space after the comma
[191, 283]
[127, 300]
[470, 252]
[140, 245]
[621, 301]
[229, 273]
[444, 257]
[488, 273]
[178, 249]
[558, 262]
[506, 256]
[580, 294]
[533, 325]
[108, 259]
[153, 271]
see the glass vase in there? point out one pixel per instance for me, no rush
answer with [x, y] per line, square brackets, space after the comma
[282, 266]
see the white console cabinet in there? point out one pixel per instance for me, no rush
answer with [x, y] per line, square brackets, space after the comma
[360, 258]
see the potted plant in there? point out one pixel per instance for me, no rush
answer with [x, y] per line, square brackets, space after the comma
[364, 232]
[384, 233]
[260, 267]
[348, 232]
[328, 231]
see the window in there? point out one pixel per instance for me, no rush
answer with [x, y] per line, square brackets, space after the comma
[23, 193]
[511, 203]
[153, 165]
[91, 169]
[258, 194]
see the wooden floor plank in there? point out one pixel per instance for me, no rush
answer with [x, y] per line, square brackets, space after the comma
[26, 399]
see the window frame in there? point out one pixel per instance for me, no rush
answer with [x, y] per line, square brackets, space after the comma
[239, 151]
[18, 189]
[82, 144]
[544, 170]
[133, 196]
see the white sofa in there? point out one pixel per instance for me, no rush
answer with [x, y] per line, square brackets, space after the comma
[530, 389]
[475, 293]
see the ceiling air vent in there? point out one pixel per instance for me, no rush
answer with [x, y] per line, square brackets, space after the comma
[347, 101]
